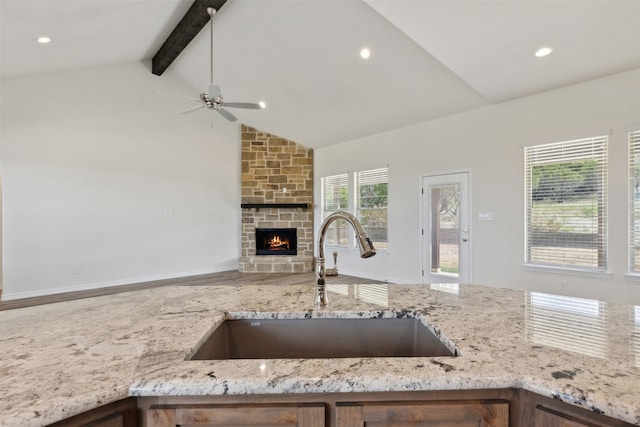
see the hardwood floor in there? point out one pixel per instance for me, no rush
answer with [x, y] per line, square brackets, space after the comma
[222, 278]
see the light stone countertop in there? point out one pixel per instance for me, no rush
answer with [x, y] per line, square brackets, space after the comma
[62, 359]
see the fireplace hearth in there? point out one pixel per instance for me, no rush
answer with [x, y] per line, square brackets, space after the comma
[276, 241]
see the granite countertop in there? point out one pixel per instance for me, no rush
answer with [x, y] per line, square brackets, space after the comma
[62, 359]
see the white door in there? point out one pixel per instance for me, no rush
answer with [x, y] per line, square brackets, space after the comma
[446, 237]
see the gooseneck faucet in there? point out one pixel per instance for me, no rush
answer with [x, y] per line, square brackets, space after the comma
[366, 250]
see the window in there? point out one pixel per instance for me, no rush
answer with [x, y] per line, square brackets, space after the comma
[634, 202]
[371, 204]
[635, 333]
[566, 204]
[335, 197]
[365, 197]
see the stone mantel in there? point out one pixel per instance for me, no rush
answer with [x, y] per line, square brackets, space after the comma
[274, 205]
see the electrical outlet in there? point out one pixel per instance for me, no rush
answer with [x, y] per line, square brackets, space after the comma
[563, 285]
[77, 270]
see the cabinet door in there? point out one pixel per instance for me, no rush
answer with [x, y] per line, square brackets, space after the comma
[541, 411]
[122, 413]
[237, 415]
[543, 418]
[423, 414]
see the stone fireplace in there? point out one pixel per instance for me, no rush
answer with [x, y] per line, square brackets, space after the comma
[277, 195]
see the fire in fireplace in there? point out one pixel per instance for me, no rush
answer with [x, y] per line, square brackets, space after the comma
[276, 241]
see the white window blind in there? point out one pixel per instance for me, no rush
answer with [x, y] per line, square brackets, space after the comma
[371, 203]
[635, 333]
[566, 204]
[335, 197]
[634, 202]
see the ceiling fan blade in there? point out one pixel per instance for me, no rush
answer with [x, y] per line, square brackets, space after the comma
[242, 105]
[227, 115]
[190, 98]
[214, 91]
[192, 109]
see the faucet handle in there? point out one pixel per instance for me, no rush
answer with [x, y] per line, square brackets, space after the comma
[322, 299]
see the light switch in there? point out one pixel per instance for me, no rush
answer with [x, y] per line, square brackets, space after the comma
[485, 216]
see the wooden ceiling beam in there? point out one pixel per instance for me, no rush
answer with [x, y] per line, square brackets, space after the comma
[193, 21]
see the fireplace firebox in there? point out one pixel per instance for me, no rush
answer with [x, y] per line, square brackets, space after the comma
[276, 241]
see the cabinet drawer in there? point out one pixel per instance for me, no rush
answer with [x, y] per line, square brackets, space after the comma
[422, 414]
[312, 415]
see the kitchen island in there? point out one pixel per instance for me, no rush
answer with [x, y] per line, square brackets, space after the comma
[62, 359]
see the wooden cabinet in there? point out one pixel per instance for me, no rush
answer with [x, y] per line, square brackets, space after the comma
[432, 414]
[347, 414]
[545, 418]
[540, 411]
[122, 413]
[445, 408]
[488, 408]
[312, 415]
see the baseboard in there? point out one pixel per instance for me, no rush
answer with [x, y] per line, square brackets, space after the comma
[107, 284]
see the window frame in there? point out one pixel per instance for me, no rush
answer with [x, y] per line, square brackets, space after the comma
[566, 152]
[371, 176]
[633, 201]
[341, 179]
[353, 191]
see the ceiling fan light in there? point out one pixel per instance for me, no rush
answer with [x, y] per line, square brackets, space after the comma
[543, 51]
[212, 98]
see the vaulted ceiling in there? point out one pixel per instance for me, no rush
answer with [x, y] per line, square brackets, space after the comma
[429, 58]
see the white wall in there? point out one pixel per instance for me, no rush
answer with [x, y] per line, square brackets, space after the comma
[93, 159]
[105, 184]
[489, 142]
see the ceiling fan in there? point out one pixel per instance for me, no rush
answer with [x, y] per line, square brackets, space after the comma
[212, 99]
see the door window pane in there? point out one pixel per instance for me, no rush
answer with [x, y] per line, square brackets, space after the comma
[445, 229]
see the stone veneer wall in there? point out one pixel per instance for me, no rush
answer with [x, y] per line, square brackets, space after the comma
[275, 170]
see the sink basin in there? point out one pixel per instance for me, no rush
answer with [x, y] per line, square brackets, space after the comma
[320, 339]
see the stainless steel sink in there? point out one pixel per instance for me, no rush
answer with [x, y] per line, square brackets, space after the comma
[320, 339]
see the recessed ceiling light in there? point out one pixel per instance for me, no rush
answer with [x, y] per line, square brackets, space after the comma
[365, 53]
[543, 51]
[262, 104]
[44, 39]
